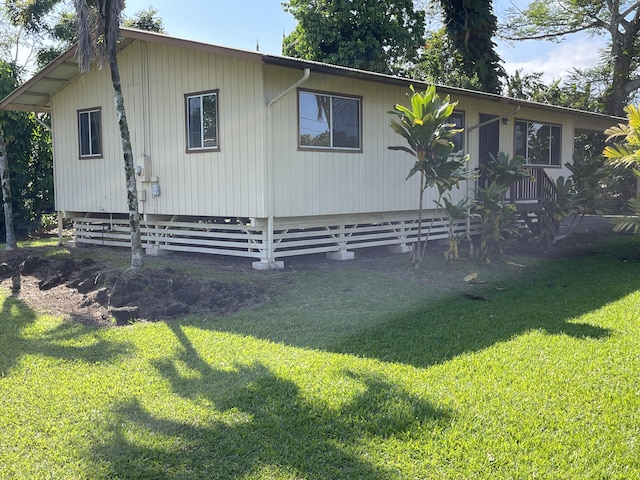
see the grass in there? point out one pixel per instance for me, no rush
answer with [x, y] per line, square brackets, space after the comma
[353, 373]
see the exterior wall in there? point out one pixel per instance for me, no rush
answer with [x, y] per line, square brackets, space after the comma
[93, 185]
[311, 183]
[155, 79]
[258, 171]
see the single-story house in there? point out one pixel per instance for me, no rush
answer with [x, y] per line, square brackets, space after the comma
[260, 156]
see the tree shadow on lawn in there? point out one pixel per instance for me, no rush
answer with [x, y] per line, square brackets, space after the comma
[16, 316]
[441, 328]
[266, 424]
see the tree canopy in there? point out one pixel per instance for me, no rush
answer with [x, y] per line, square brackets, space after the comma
[470, 27]
[619, 20]
[382, 36]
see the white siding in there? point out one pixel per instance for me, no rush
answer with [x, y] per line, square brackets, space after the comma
[155, 79]
[94, 185]
[258, 170]
[328, 183]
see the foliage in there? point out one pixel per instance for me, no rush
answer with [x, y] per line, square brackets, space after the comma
[572, 93]
[630, 223]
[147, 20]
[28, 146]
[439, 63]
[424, 126]
[381, 36]
[619, 20]
[627, 154]
[498, 216]
[456, 213]
[470, 27]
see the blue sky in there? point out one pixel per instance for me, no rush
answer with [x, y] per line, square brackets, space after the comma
[243, 23]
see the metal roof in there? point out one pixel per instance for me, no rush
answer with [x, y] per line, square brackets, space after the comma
[35, 94]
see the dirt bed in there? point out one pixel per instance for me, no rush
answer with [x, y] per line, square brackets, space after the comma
[89, 290]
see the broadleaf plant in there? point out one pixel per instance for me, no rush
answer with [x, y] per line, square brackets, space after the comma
[425, 127]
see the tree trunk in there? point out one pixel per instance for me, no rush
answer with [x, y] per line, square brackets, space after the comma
[623, 50]
[6, 196]
[137, 254]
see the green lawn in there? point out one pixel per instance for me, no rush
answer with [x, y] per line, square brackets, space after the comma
[350, 373]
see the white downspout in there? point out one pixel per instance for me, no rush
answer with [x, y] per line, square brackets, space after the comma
[305, 77]
[270, 170]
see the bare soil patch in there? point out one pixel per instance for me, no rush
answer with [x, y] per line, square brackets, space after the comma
[91, 291]
[86, 289]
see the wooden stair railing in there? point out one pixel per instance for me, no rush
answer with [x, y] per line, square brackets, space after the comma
[533, 195]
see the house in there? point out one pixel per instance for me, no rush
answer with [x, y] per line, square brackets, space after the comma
[260, 156]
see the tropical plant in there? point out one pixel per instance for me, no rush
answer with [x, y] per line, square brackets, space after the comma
[630, 223]
[456, 213]
[425, 128]
[470, 26]
[98, 35]
[438, 64]
[498, 217]
[626, 153]
[25, 165]
[582, 192]
[5, 179]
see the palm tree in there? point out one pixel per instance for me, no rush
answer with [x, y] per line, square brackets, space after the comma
[424, 125]
[10, 243]
[98, 34]
[626, 154]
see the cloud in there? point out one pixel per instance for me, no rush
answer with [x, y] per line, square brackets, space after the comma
[554, 60]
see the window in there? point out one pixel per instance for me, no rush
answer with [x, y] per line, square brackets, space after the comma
[457, 118]
[202, 121]
[539, 143]
[329, 121]
[89, 133]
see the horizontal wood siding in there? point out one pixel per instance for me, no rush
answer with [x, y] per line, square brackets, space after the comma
[155, 79]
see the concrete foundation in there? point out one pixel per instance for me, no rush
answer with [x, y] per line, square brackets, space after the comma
[342, 255]
[268, 265]
[399, 248]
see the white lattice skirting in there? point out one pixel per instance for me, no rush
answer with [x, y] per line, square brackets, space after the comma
[266, 240]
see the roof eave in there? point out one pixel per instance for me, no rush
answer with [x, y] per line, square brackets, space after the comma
[43, 75]
[401, 81]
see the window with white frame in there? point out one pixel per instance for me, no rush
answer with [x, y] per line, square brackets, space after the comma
[539, 143]
[329, 121]
[202, 121]
[90, 133]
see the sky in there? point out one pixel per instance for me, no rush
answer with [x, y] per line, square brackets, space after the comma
[245, 24]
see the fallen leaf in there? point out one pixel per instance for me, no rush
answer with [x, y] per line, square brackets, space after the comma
[515, 264]
[470, 277]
